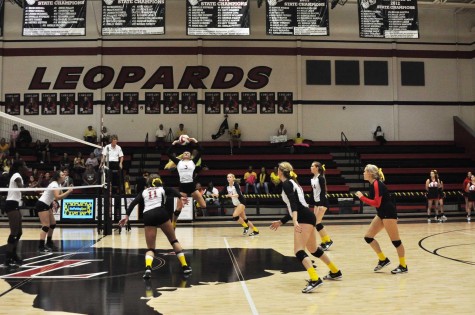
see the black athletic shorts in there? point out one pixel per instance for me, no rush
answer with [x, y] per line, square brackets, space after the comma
[306, 216]
[321, 203]
[155, 217]
[387, 212]
[187, 188]
[11, 205]
[40, 206]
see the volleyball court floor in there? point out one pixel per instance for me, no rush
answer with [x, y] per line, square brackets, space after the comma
[236, 274]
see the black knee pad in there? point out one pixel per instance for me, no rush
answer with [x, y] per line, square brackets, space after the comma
[301, 255]
[235, 218]
[397, 243]
[247, 220]
[12, 239]
[52, 226]
[319, 252]
[45, 229]
[368, 239]
[319, 227]
[177, 213]
[173, 242]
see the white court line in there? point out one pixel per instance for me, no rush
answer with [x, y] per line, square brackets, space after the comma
[241, 279]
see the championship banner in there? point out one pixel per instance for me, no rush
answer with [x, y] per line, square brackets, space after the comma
[388, 19]
[297, 17]
[54, 18]
[133, 17]
[218, 17]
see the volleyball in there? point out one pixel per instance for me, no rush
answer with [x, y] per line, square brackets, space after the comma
[184, 139]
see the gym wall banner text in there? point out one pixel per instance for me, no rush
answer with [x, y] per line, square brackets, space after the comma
[100, 77]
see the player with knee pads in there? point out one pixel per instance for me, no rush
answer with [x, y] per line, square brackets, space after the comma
[233, 191]
[304, 221]
[386, 218]
[12, 208]
[44, 209]
[155, 214]
[319, 201]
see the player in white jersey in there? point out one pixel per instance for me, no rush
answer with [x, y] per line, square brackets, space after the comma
[319, 201]
[12, 209]
[44, 210]
[186, 170]
[155, 214]
[233, 191]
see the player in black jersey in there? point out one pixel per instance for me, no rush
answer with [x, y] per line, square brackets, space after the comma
[386, 218]
[304, 221]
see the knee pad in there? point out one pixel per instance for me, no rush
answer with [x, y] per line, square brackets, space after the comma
[173, 242]
[301, 255]
[235, 218]
[368, 239]
[45, 229]
[319, 227]
[177, 213]
[247, 220]
[52, 226]
[397, 243]
[319, 252]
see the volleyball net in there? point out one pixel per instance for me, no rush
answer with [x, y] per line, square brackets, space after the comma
[43, 151]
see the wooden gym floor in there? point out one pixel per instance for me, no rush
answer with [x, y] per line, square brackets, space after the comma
[234, 274]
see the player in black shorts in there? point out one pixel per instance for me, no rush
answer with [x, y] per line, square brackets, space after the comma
[304, 222]
[186, 169]
[386, 218]
[156, 215]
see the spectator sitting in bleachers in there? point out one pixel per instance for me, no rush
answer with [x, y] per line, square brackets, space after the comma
[90, 135]
[32, 182]
[90, 176]
[250, 177]
[68, 180]
[98, 153]
[44, 179]
[92, 160]
[275, 180]
[208, 194]
[78, 164]
[378, 135]
[65, 162]
[4, 147]
[298, 143]
[263, 181]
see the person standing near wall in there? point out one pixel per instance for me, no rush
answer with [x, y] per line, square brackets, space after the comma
[320, 201]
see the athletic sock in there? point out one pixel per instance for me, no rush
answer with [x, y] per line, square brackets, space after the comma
[332, 267]
[182, 259]
[402, 261]
[313, 274]
[255, 229]
[244, 224]
[49, 240]
[381, 256]
[326, 239]
[148, 261]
